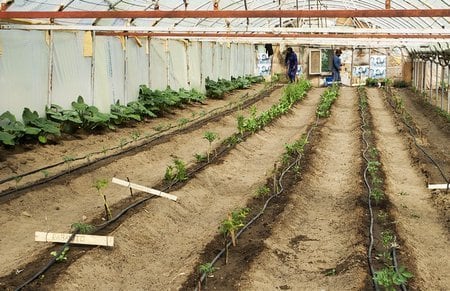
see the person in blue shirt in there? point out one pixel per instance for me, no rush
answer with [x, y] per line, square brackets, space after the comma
[291, 62]
[337, 66]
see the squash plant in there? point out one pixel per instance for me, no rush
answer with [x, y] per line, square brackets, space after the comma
[68, 119]
[91, 117]
[46, 127]
[11, 130]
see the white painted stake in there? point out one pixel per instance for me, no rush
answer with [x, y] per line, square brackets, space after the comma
[144, 189]
[82, 239]
[438, 186]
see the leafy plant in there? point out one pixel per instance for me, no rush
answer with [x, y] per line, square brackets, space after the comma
[210, 137]
[377, 195]
[123, 113]
[46, 173]
[61, 257]
[262, 191]
[387, 238]
[176, 172]
[207, 269]
[234, 222]
[327, 99]
[82, 228]
[91, 117]
[100, 185]
[200, 158]
[389, 278]
[182, 121]
[11, 130]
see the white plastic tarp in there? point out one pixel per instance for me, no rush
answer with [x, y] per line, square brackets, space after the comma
[217, 61]
[234, 60]
[241, 59]
[194, 55]
[225, 66]
[109, 72]
[137, 67]
[178, 77]
[158, 63]
[24, 57]
[207, 60]
[71, 74]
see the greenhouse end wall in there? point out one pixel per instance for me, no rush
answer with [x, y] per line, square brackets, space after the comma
[40, 68]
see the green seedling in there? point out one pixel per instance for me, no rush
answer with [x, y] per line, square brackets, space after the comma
[17, 179]
[387, 239]
[62, 256]
[262, 191]
[159, 127]
[123, 142]
[382, 216]
[177, 172]
[207, 269]
[68, 160]
[234, 222]
[389, 278]
[384, 257]
[377, 195]
[200, 158]
[210, 137]
[182, 121]
[135, 135]
[45, 173]
[82, 228]
[100, 185]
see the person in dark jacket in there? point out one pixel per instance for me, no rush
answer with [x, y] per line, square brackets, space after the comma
[291, 63]
[337, 66]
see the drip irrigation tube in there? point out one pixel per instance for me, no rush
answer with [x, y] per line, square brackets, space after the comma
[369, 190]
[394, 260]
[123, 211]
[411, 132]
[261, 212]
[147, 140]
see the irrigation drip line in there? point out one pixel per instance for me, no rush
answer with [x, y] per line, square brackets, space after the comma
[126, 209]
[261, 212]
[369, 190]
[411, 132]
[147, 140]
[395, 263]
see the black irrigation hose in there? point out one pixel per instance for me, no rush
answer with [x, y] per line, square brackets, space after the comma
[369, 189]
[46, 267]
[411, 132]
[394, 260]
[261, 212]
[149, 139]
[120, 214]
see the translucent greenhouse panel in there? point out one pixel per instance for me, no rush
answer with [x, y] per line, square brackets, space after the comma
[137, 67]
[158, 63]
[24, 59]
[71, 74]
[194, 54]
[248, 59]
[217, 61]
[108, 72]
[226, 49]
[241, 60]
[178, 77]
[207, 60]
[234, 60]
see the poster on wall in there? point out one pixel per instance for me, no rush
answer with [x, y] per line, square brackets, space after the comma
[264, 64]
[377, 67]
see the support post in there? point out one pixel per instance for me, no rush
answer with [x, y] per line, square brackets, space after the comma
[50, 68]
[437, 84]
[93, 69]
[431, 81]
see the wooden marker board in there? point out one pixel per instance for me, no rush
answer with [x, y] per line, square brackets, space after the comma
[82, 239]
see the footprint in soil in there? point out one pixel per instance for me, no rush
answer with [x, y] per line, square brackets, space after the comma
[295, 241]
[284, 287]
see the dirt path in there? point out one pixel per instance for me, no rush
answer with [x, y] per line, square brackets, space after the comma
[30, 157]
[56, 205]
[420, 227]
[320, 229]
[158, 247]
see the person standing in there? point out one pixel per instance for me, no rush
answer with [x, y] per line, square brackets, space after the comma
[337, 66]
[291, 63]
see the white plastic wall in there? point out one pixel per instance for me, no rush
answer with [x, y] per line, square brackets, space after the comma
[158, 64]
[114, 72]
[194, 56]
[137, 67]
[109, 71]
[71, 73]
[24, 58]
[178, 74]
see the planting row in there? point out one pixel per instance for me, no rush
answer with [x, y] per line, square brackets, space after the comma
[149, 104]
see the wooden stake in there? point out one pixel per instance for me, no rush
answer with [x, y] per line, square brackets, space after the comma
[144, 189]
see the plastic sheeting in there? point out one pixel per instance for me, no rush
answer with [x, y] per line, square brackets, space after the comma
[108, 72]
[158, 63]
[24, 66]
[194, 55]
[71, 71]
[178, 73]
[137, 67]
[107, 69]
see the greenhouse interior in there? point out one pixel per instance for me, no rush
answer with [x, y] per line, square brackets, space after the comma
[224, 145]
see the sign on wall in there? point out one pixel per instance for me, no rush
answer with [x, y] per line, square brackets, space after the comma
[377, 67]
[264, 64]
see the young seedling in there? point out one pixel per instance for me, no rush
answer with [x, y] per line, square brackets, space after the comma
[68, 160]
[200, 158]
[62, 256]
[135, 135]
[210, 137]
[100, 185]
[17, 180]
[182, 121]
[177, 172]
[82, 228]
[206, 269]
[389, 278]
[234, 221]
[262, 191]
[122, 143]
[45, 173]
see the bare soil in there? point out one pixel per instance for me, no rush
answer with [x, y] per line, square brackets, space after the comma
[421, 228]
[318, 242]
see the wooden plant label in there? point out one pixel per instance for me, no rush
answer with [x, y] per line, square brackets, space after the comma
[144, 189]
[82, 239]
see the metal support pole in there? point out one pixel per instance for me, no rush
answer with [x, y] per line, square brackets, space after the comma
[423, 77]
[442, 86]
[431, 81]
[437, 84]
